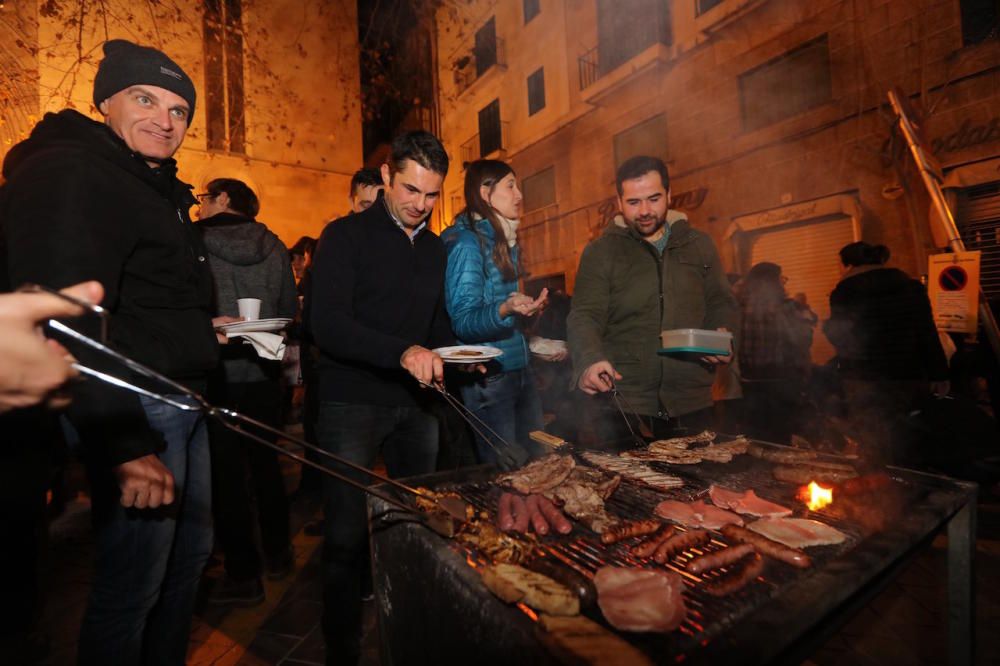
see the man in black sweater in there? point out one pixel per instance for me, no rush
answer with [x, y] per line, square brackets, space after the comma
[376, 308]
[101, 200]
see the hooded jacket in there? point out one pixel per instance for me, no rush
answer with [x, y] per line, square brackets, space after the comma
[247, 261]
[626, 294]
[78, 205]
[882, 327]
[474, 289]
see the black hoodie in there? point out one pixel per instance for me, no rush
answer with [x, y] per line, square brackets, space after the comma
[78, 205]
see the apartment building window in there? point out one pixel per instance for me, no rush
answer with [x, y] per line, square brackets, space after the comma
[536, 91]
[486, 46]
[979, 19]
[531, 9]
[647, 138]
[224, 91]
[490, 134]
[539, 189]
[702, 6]
[791, 84]
[625, 28]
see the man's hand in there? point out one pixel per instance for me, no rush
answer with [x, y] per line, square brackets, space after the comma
[32, 368]
[526, 306]
[719, 359]
[520, 514]
[145, 483]
[425, 366]
[219, 321]
[596, 378]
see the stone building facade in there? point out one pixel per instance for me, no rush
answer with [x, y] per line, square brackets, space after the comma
[771, 114]
[277, 80]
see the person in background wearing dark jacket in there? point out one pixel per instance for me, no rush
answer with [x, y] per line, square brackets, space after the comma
[366, 185]
[888, 351]
[376, 310]
[485, 306]
[649, 271]
[247, 261]
[90, 200]
[775, 338]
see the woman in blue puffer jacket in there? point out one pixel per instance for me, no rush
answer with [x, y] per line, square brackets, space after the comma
[482, 297]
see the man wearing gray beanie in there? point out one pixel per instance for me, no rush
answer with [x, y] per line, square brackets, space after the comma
[86, 200]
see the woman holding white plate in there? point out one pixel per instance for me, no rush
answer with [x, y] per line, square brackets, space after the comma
[486, 307]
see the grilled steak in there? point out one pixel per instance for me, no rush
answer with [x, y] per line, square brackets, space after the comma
[541, 475]
[632, 470]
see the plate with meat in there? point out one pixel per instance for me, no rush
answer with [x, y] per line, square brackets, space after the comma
[467, 353]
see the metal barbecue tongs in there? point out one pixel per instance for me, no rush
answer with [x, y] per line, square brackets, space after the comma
[510, 455]
[231, 419]
[621, 404]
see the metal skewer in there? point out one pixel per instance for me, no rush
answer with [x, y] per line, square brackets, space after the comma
[230, 419]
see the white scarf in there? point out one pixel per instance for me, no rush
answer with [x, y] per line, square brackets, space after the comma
[508, 226]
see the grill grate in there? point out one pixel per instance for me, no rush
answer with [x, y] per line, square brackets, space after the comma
[708, 616]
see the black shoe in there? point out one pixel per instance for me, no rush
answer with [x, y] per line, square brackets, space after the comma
[281, 566]
[313, 528]
[229, 592]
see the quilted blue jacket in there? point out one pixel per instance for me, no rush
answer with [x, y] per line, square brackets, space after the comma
[474, 289]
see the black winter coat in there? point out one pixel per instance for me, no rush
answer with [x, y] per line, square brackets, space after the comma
[78, 205]
[882, 327]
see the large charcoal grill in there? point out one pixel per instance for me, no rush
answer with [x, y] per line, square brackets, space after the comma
[433, 608]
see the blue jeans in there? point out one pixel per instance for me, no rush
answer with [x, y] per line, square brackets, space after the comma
[509, 404]
[408, 440]
[149, 561]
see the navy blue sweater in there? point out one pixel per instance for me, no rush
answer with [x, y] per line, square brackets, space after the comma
[372, 295]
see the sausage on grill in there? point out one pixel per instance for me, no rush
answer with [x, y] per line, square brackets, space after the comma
[679, 543]
[769, 547]
[719, 558]
[630, 528]
[736, 577]
[648, 546]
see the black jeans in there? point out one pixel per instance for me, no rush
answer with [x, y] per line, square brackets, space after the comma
[244, 471]
[408, 440]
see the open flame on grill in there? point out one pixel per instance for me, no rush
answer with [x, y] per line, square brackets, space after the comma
[815, 496]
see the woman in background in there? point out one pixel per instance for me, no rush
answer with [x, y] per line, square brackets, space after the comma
[485, 306]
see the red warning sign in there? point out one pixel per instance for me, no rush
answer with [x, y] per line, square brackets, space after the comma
[953, 278]
[953, 289]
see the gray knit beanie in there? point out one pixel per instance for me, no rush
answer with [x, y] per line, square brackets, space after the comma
[126, 64]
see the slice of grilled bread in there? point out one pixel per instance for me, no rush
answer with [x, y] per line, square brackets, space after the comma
[513, 583]
[578, 640]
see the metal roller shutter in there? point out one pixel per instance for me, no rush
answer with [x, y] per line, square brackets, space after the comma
[979, 224]
[807, 254]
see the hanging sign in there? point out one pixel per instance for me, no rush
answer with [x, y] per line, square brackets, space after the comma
[953, 287]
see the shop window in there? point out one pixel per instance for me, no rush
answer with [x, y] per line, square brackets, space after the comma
[980, 19]
[490, 133]
[536, 91]
[647, 138]
[791, 84]
[531, 9]
[539, 189]
[224, 92]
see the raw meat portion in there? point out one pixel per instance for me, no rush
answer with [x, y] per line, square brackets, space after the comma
[640, 599]
[746, 502]
[696, 514]
[798, 532]
[541, 475]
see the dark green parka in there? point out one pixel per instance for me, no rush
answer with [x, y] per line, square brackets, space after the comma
[625, 294]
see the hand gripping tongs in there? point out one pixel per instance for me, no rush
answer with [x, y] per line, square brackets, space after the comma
[231, 419]
[621, 404]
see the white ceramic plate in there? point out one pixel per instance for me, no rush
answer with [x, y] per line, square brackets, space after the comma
[545, 348]
[256, 326]
[467, 353]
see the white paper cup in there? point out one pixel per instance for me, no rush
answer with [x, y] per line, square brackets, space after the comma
[249, 308]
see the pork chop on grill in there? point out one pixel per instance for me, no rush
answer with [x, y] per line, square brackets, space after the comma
[798, 532]
[746, 502]
[640, 599]
[541, 475]
[696, 514]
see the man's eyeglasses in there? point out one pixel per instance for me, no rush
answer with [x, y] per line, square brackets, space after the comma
[207, 196]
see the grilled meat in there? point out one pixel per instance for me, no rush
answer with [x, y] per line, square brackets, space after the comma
[816, 470]
[630, 528]
[678, 543]
[696, 514]
[798, 532]
[736, 577]
[541, 475]
[718, 559]
[640, 599]
[516, 584]
[494, 544]
[769, 547]
[647, 547]
[746, 503]
[632, 470]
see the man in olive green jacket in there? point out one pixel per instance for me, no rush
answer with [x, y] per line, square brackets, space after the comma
[649, 272]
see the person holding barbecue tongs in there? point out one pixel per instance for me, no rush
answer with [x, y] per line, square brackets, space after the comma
[649, 271]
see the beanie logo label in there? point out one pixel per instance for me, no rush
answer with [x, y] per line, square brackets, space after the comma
[170, 72]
